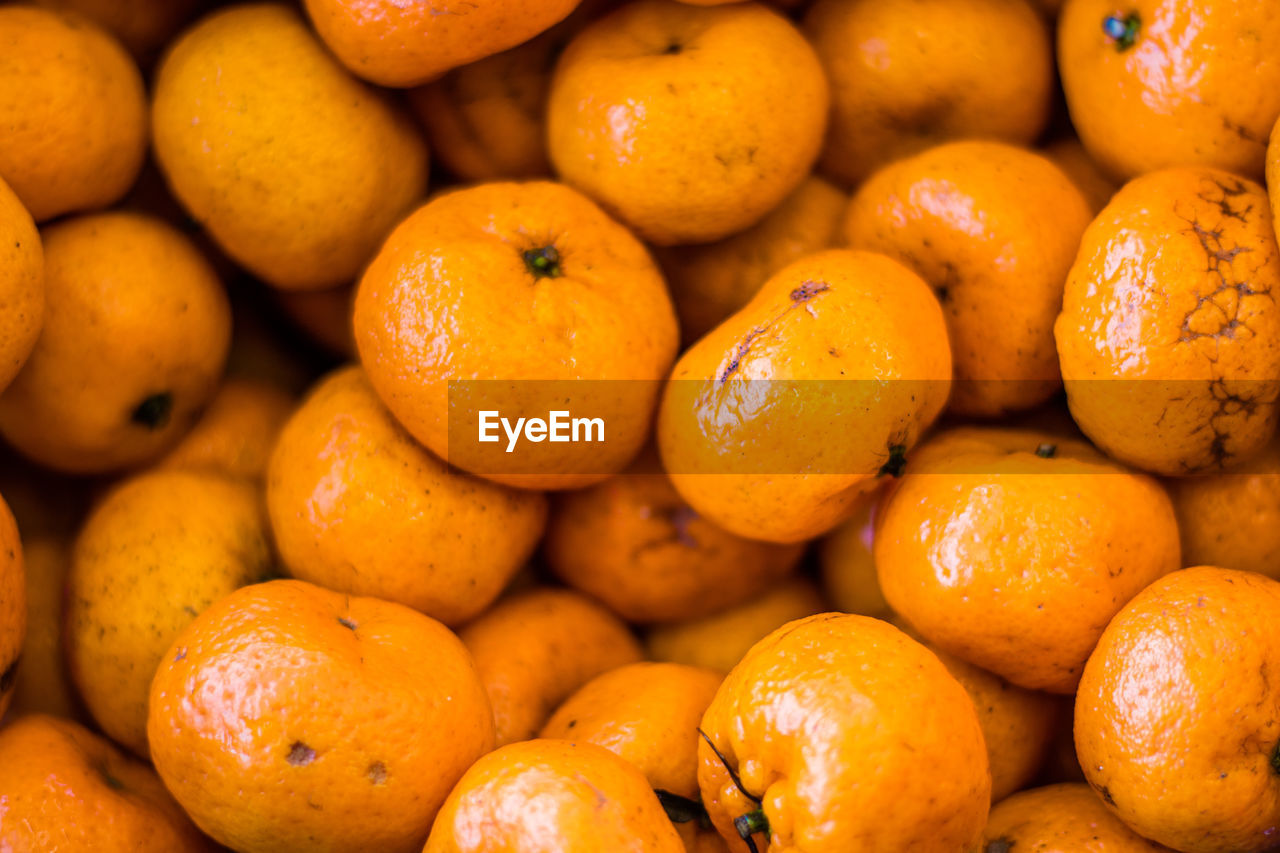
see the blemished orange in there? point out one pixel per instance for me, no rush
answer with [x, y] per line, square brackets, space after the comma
[143, 26]
[1071, 157]
[1011, 549]
[236, 431]
[357, 506]
[970, 219]
[717, 642]
[632, 543]
[21, 285]
[74, 112]
[910, 74]
[136, 331]
[1169, 337]
[580, 299]
[687, 122]
[710, 282]
[398, 44]
[156, 551]
[1153, 84]
[817, 741]
[1177, 723]
[845, 348]
[13, 604]
[66, 788]
[1063, 818]
[43, 684]
[297, 170]
[288, 716]
[535, 648]
[847, 563]
[552, 796]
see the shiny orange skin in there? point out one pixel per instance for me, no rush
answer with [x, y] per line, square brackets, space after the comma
[21, 285]
[1064, 818]
[44, 685]
[143, 26]
[287, 716]
[552, 796]
[357, 506]
[1177, 723]
[13, 604]
[66, 788]
[74, 111]
[846, 348]
[827, 722]
[535, 648]
[632, 543]
[398, 44]
[710, 282]
[451, 296]
[1013, 561]
[297, 170]
[133, 313]
[236, 432]
[1199, 85]
[1071, 157]
[688, 123]
[911, 74]
[848, 566]
[717, 642]
[969, 218]
[1172, 295]
[324, 315]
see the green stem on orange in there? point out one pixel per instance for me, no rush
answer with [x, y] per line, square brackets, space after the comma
[543, 263]
[1123, 30]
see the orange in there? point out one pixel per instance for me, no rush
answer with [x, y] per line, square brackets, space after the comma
[143, 26]
[21, 285]
[236, 432]
[65, 788]
[358, 507]
[1071, 157]
[552, 796]
[839, 732]
[288, 717]
[1177, 720]
[848, 349]
[687, 122]
[710, 282]
[13, 604]
[74, 112]
[324, 316]
[717, 642]
[969, 217]
[848, 564]
[632, 543]
[535, 648]
[406, 44]
[135, 335]
[295, 169]
[1159, 83]
[1169, 337]
[910, 74]
[1011, 549]
[43, 684]
[1066, 818]
[580, 300]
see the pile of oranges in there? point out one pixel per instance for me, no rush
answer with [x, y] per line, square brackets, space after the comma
[932, 353]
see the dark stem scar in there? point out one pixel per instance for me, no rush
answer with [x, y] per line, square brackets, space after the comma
[1122, 29]
[300, 755]
[154, 411]
[543, 262]
[112, 781]
[1047, 450]
[897, 461]
[802, 295]
[999, 845]
[1106, 795]
[347, 623]
[377, 773]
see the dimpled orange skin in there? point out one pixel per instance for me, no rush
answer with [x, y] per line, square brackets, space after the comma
[848, 349]
[1071, 157]
[632, 543]
[290, 717]
[717, 642]
[236, 432]
[357, 506]
[13, 604]
[847, 563]
[21, 285]
[43, 685]
[1065, 818]
[136, 332]
[969, 218]
[66, 788]
[297, 170]
[454, 295]
[689, 123]
[143, 26]
[74, 112]
[827, 723]
[1173, 293]
[712, 281]
[1177, 724]
[910, 74]
[1199, 86]
[552, 796]
[535, 648]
